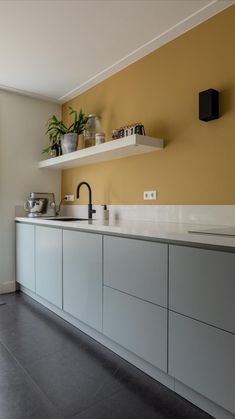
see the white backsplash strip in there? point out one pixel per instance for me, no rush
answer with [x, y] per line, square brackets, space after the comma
[19, 211]
[193, 214]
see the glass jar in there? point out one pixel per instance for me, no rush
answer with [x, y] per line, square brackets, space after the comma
[99, 138]
[92, 127]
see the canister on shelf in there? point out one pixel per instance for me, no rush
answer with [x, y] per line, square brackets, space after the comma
[139, 129]
[121, 133]
[99, 138]
[92, 126]
[115, 134]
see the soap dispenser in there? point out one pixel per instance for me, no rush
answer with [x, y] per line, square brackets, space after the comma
[105, 213]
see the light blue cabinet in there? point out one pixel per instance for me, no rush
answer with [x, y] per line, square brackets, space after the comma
[82, 277]
[201, 303]
[135, 297]
[202, 285]
[136, 325]
[137, 267]
[191, 338]
[202, 357]
[25, 255]
[48, 251]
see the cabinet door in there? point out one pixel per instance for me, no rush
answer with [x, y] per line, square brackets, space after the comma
[202, 285]
[49, 264]
[25, 272]
[137, 325]
[202, 357]
[136, 267]
[82, 276]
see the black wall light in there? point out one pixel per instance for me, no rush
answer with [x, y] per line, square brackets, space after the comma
[208, 105]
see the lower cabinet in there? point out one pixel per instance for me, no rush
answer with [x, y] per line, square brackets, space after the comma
[202, 357]
[202, 285]
[25, 272]
[137, 267]
[137, 325]
[48, 251]
[65, 268]
[82, 276]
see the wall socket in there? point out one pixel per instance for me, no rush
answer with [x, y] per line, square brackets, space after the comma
[69, 198]
[150, 195]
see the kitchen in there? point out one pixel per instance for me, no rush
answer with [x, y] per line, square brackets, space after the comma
[193, 178]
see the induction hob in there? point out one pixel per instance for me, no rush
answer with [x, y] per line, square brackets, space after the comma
[217, 231]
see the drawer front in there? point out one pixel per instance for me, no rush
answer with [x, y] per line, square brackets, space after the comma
[202, 357]
[202, 285]
[137, 325]
[82, 276]
[25, 272]
[136, 267]
[49, 264]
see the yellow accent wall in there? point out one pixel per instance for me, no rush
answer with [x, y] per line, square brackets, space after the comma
[197, 165]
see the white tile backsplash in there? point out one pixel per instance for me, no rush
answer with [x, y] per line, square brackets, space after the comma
[195, 214]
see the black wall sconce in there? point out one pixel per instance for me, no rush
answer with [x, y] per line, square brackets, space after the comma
[208, 105]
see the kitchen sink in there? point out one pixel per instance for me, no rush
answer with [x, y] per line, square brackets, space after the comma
[66, 219]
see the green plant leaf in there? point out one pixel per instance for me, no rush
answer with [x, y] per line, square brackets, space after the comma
[46, 150]
[56, 128]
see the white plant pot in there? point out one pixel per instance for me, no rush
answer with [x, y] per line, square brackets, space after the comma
[69, 142]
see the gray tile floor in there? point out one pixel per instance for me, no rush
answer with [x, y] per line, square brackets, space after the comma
[49, 369]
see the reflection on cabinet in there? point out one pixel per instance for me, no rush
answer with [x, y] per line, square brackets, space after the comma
[136, 325]
[202, 357]
[82, 276]
[25, 273]
[48, 246]
[136, 267]
[202, 285]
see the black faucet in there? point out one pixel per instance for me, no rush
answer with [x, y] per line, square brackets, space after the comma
[90, 210]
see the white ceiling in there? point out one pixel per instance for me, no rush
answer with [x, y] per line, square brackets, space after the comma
[58, 49]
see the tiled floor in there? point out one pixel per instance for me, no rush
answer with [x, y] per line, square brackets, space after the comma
[48, 369]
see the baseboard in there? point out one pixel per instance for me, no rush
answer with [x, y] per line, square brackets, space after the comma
[208, 406]
[7, 287]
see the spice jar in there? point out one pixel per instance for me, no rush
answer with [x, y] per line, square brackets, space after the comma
[99, 138]
[115, 134]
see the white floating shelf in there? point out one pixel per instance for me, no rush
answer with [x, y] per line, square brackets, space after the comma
[111, 150]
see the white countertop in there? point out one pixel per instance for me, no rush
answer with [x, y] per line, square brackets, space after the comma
[167, 231]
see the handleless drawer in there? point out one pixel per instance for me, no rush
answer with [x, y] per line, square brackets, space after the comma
[136, 267]
[137, 325]
[202, 285]
[202, 357]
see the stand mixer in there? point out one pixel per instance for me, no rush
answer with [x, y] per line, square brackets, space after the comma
[40, 204]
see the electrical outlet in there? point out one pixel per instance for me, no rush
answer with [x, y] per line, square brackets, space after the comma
[150, 195]
[69, 198]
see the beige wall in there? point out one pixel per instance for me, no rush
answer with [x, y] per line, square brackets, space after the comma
[197, 165]
[22, 127]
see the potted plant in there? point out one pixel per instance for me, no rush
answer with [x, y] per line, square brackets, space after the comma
[66, 136]
[54, 149]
